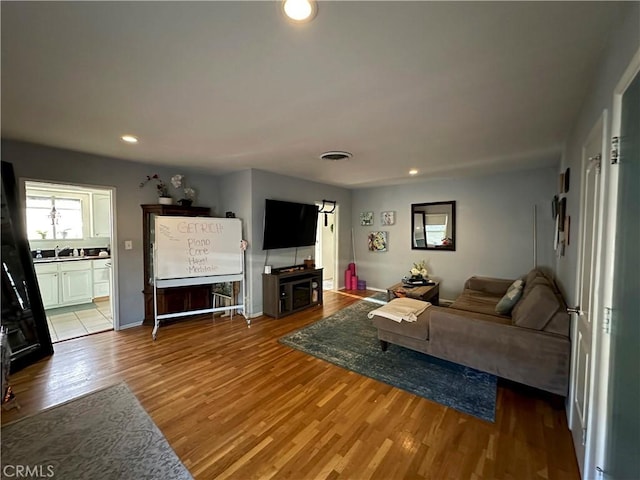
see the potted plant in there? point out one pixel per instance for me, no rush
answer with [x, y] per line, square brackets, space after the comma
[419, 271]
[163, 192]
[189, 194]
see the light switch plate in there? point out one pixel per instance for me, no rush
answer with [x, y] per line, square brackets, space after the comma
[128, 245]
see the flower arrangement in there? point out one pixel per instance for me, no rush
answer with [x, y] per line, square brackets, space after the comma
[163, 191]
[420, 269]
[179, 181]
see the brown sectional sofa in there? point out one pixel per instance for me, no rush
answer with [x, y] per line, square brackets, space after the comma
[529, 346]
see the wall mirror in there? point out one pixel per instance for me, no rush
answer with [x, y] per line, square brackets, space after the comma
[433, 226]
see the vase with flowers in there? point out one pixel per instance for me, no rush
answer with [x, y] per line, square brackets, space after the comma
[188, 193]
[419, 271]
[163, 191]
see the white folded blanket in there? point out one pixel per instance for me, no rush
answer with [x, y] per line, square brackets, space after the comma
[399, 309]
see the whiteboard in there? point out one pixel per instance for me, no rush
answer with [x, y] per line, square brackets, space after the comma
[187, 247]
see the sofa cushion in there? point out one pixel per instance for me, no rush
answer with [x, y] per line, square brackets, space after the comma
[529, 280]
[401, 309]
[539, 277]
[418, 329]
[490, 285]
[560, 323]
[508, 301]
[477, 301]
[536, 308]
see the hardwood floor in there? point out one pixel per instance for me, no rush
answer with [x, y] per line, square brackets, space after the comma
[236, 404]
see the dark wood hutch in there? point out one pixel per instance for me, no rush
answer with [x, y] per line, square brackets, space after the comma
[175, 299]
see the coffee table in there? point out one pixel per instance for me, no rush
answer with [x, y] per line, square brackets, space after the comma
[426, 293]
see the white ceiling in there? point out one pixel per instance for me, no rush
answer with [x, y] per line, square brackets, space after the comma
[450, 88]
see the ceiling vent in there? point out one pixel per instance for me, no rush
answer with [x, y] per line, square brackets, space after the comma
[335, 156]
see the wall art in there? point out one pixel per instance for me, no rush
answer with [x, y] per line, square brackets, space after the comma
[366, 218]
[388, 218]
[378, 241]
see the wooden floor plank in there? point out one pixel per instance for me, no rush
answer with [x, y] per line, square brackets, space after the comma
[234, 403]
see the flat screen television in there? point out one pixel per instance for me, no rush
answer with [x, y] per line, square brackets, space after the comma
[289, 224]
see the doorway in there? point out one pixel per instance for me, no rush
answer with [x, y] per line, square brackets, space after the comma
[69, 230]
[326, 253]
[616, 432]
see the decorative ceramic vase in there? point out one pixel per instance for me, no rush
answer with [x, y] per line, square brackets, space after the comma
[185, 202]
[165, 200]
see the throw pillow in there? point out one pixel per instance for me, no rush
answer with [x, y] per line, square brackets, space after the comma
[516, 284]
[508, 301]
[537, 308]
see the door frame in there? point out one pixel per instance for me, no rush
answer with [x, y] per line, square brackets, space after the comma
[596, 438]
[319, 243]
[114, 297]
[600, 128]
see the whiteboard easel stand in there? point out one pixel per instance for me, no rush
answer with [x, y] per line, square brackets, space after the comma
[191, 281]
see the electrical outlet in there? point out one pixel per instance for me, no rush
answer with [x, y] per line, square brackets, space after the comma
[128, 245]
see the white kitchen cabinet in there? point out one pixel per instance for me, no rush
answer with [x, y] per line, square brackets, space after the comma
[48, 281]
[101, 215]
[101, 278]
[76, 285]
[65, 283]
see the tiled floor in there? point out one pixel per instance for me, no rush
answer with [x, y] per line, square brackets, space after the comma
[83, 321]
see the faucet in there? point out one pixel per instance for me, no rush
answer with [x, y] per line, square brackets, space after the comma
[57, 250]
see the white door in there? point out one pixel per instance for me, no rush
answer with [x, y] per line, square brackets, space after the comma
[584, 332]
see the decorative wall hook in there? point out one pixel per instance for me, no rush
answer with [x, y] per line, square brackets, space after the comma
[325, 209]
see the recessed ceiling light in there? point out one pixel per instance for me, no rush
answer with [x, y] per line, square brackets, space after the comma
[129, 139]
[300, 11]
[413, 171]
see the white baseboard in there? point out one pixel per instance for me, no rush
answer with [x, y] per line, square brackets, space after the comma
[130, 325]
[368, 288]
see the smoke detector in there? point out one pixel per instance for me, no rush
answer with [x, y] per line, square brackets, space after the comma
[335, 156]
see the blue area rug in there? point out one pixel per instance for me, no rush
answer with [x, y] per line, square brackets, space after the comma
[349, 339]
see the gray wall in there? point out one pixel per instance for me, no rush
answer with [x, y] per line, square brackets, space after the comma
[494, 228]
[36, 162]
[624, 43]
[235, 196]
[269, 185]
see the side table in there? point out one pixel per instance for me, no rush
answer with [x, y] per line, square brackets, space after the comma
[426, 293]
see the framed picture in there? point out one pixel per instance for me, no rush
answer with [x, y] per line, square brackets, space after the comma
[567, 177]
[366, 218]
[562, 211]
[377, 241]
[387, 218]
[561, 183]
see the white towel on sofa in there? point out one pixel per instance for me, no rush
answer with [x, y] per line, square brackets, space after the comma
[399, 309]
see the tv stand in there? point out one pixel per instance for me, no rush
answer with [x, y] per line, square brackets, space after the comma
[291, 289]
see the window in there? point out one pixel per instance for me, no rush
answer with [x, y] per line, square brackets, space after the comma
[52, 217]
[435, 228]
